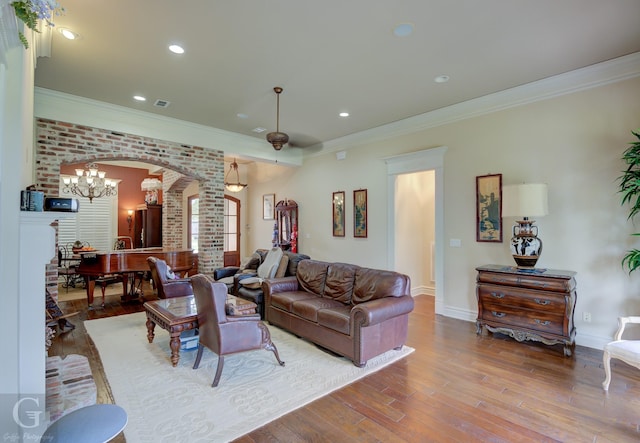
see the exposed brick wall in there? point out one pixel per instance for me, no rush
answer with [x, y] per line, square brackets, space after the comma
[67, 143]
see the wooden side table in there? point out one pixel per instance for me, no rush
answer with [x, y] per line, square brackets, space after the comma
[179, 314]
[527, 304]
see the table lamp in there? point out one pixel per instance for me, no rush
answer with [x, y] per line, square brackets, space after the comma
[525, 200]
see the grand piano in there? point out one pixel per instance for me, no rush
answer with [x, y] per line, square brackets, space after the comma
[127, 263]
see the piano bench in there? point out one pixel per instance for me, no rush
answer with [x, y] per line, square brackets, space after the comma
[107, 280]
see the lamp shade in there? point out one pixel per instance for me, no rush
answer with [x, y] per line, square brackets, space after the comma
[151, 184]
[525, 200]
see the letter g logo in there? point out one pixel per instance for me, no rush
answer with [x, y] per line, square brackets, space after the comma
[33, 415]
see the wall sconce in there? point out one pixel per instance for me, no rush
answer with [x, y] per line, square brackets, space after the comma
[129, 218]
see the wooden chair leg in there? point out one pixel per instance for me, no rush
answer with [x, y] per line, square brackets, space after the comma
[216, 379]
[103, 287]
[606, 360]
[198, 356]
[271, 347]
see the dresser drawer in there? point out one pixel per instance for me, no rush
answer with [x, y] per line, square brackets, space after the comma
[511, 296]
[528, 281]
[514, 317]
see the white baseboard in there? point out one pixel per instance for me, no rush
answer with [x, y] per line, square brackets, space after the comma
[423, 290]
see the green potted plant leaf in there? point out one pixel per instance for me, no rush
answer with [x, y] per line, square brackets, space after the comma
[630, 190]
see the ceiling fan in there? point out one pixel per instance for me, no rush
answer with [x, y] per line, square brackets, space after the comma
[277, 139]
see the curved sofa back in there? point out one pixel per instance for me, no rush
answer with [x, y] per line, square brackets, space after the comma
[350, 284]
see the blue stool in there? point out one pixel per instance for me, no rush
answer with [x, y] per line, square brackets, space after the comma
[91, 424]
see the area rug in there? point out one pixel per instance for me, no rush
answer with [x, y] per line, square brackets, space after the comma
[167, 404]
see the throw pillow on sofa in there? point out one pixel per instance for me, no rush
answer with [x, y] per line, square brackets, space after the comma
[267, 269]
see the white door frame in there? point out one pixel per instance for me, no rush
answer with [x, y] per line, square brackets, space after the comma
[425, 160]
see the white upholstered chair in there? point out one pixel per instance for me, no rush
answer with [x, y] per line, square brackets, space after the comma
[626, 350]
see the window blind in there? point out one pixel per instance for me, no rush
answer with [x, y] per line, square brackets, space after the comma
[95, 223]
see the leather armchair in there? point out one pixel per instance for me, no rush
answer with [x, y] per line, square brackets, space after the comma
[166, 287]
[224, 334]
[227, 274]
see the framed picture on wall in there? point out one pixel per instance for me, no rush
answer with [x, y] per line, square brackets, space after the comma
[360, 213]
[338, 214]
[489, 208]
[268, 206]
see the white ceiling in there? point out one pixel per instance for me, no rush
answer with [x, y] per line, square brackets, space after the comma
[329, 56]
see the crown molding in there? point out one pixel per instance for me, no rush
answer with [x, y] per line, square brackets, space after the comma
[593, 76]
[60, 106]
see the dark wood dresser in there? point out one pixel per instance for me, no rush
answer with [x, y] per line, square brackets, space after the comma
[527, 304]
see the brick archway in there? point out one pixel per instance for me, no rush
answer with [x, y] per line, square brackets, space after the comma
[67, 143]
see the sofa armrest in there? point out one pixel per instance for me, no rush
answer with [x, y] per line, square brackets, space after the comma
[177, 288]
[376, 311]
[283, 284]
[275, 285]
[227, 271]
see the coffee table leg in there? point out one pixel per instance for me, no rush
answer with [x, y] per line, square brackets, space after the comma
[175, 348]
[150, 326]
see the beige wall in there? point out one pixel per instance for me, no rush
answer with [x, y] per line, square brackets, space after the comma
[572, 142]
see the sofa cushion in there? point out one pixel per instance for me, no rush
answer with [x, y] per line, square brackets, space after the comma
[270, 264]
[251, 282]
[294, 259]
[308, 308]
[251, 262]
[282, 267]
[372, 284]
[285, 300]
[336, 318]
[338, 284]
[311, 275]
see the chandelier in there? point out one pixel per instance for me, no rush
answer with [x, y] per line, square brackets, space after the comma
[90, 183]
[151, 186]
[235, 186]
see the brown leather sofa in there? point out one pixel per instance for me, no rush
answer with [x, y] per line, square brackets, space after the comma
[352, 311]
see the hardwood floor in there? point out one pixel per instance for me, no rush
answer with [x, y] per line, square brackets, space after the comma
[457, 386]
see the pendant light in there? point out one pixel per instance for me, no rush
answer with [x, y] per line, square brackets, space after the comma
[277, 139]
[235, 186]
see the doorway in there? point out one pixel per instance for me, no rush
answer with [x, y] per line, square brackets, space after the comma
[415, 229]
[425, 160]
[231, 231]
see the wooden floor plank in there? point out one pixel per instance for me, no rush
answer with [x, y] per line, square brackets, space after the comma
[456, 386]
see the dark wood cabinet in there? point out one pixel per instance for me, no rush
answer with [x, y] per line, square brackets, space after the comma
[286, 229]
[527, 304]
[147, 227]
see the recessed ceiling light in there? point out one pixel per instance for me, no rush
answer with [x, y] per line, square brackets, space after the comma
[344, 114]
[68, 33]
[242, 115]
[176, 49]
[139, 98]
[403, 29]
[259, 130]
[441, 79]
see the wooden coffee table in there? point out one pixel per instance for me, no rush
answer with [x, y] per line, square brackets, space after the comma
[179, 314]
